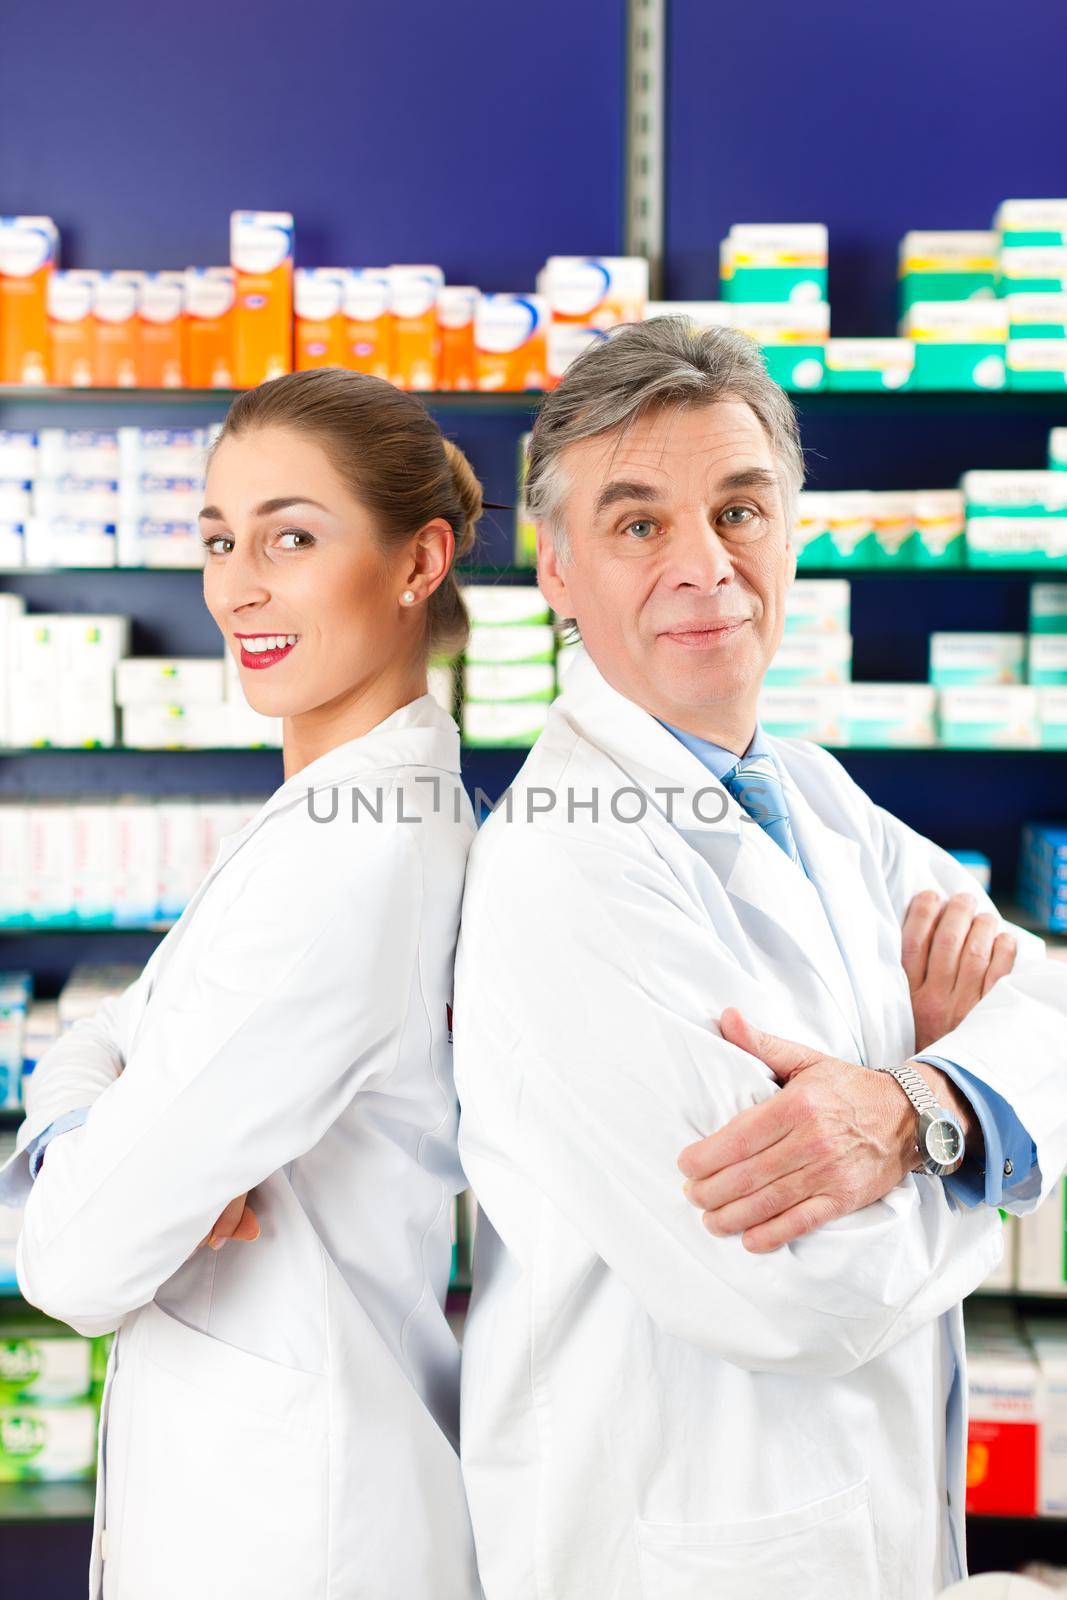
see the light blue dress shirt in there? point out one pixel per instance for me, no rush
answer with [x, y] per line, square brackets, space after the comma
[1010, 1153]
[36, 1148]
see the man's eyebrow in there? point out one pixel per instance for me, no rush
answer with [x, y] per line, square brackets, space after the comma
[281, 503]
[623, 489]
[749, 478]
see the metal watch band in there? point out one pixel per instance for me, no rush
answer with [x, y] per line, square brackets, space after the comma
[914, 1086]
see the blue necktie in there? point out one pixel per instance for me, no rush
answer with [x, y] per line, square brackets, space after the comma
[756, 786]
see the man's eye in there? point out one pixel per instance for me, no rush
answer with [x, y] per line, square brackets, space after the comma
[635, 528]
[737, 516]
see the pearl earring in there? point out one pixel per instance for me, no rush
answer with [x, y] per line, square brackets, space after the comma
[408, 596]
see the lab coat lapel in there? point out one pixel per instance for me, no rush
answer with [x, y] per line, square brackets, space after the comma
[419, 734]
[833, 860]
[754, 871]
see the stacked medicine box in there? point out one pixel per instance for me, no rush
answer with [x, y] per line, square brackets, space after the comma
[51, 1381]
[1043, 875]
[123, 862]
[509, 665]
[1006, 688]
[774, 282]
[65, 675]
[126, 497]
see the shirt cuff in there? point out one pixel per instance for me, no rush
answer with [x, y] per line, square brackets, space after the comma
[36, 1148]
[1010, 1153]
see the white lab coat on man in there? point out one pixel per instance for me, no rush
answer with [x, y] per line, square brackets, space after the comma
[650, 1412]
[279, 1419]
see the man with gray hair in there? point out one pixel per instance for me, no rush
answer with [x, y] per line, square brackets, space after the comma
[745, 1064]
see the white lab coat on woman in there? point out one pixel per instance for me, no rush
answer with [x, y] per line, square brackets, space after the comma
[279, 1420]
[650, 1412]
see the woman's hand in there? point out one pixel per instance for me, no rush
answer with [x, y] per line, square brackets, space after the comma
[952, 958]
[238, 1221]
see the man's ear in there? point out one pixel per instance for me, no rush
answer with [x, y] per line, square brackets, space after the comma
[550, 579]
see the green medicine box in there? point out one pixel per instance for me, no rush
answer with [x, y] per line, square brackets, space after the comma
[773, 284]
[1048, 608]
[960, 366]
[959, 344]
[940, 524]
[859, 365]
[801, 369]
[947, 265]
[812, 533]
[774, 263]
[1037, 364]
[792, 338]
[1016, 519]
[1034, 269]
[1022, 223]
[850, 520]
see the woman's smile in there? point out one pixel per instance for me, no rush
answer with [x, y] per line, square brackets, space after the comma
[265, 649]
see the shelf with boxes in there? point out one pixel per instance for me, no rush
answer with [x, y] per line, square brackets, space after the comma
[982, 311]
[522, 401]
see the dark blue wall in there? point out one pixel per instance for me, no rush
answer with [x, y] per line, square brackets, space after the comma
[480, 136]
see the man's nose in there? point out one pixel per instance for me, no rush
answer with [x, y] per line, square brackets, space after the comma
[699, 556]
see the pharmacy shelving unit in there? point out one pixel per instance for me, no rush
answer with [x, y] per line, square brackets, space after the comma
[964, 798]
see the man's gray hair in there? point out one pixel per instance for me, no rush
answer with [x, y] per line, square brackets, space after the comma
[664, 361]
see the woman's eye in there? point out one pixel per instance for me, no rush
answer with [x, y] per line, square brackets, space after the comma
[218, 538]
[296, 533]
[643, 523]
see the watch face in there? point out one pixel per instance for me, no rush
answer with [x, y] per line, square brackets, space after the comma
[944, 1142]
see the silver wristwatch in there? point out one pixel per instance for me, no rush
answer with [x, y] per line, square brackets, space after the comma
[939, 1138]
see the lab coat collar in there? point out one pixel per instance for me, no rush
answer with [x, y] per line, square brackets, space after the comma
[420, 734]
[752, 868]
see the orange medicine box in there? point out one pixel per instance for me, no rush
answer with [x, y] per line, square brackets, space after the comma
[456, 305]
[416, 338]
[207, 328]
[368, 322]
[116, 304]
[597, 291]
[318, 298]
[70, 328]
[159, 331]
[510, 342]
[28, 250]
[261, 254]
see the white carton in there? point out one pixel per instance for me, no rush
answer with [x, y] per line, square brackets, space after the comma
[1042, 1244]
[505, 603]
[807, 659]
[517, 723]
[158, 680]
[1003, 715]
[533, 680]
[802, 713]
[877, 714]
[533, 642]
[818, 605]
[977, 658]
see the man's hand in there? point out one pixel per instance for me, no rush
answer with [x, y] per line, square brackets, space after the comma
[837, 1138]
[238, 1221]
[952, 958]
